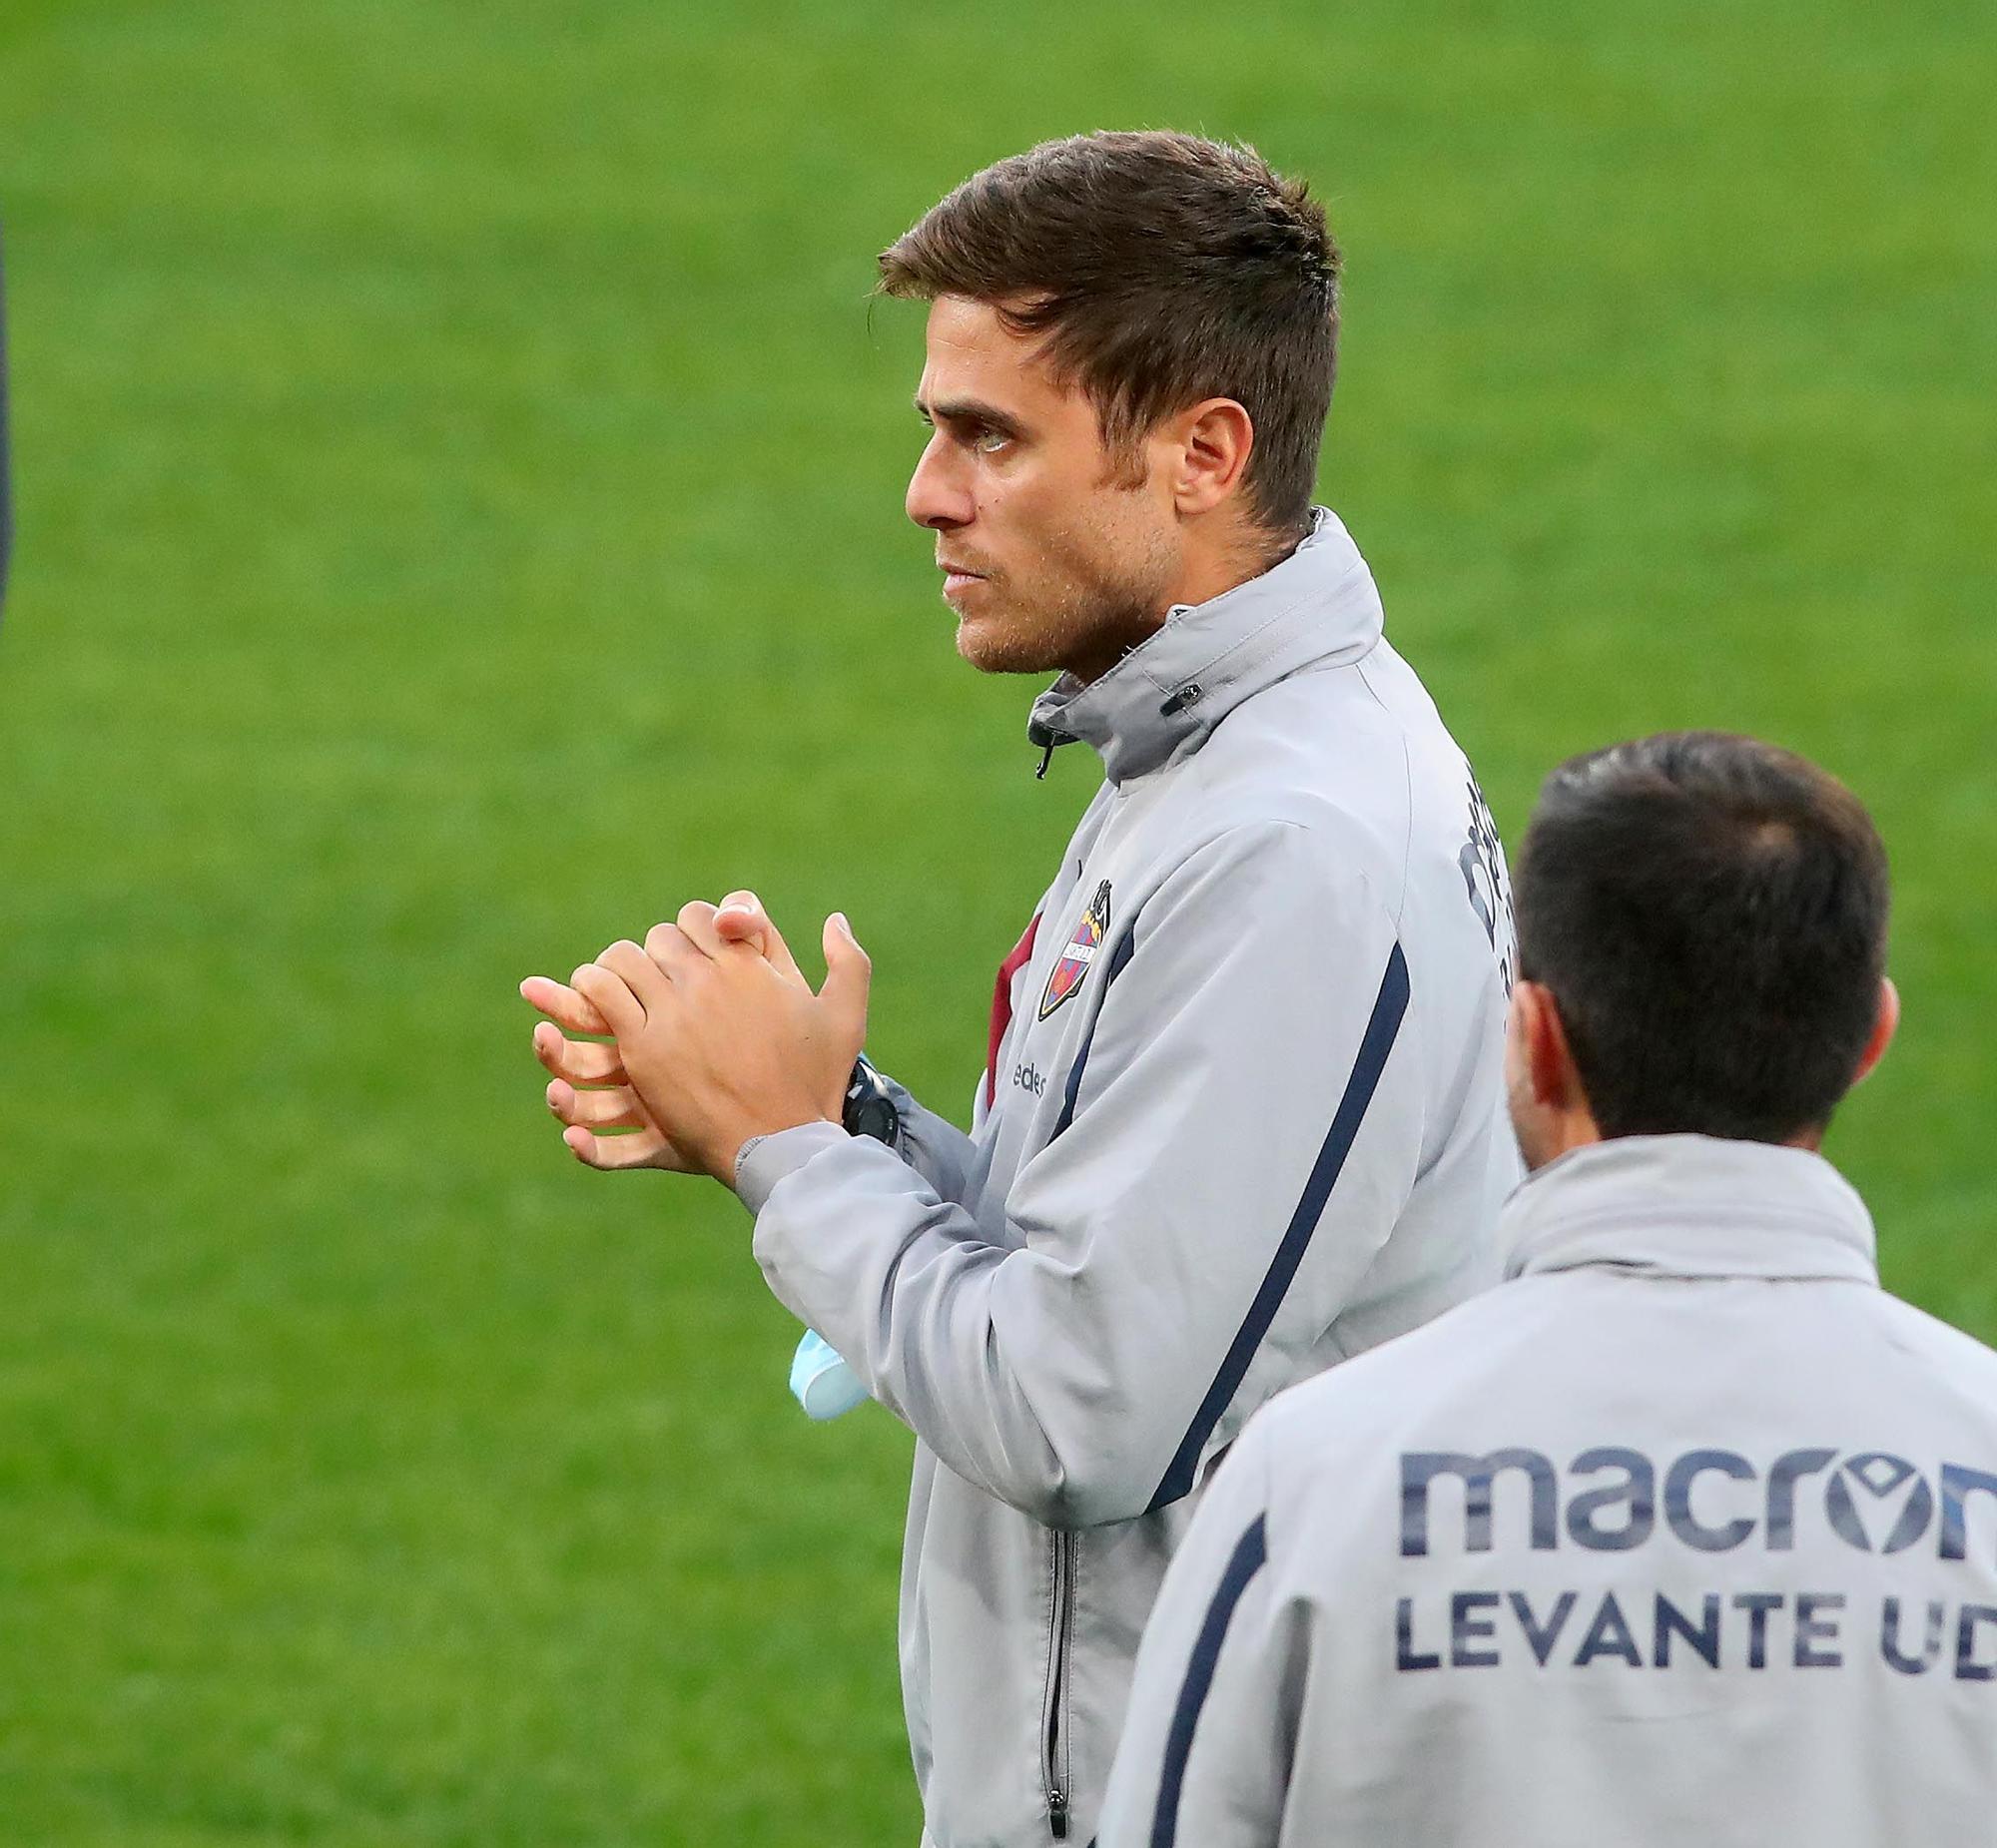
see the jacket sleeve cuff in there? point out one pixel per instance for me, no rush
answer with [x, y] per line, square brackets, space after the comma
[763, 1161]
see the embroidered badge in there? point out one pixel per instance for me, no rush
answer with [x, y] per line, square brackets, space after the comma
[1067, 974]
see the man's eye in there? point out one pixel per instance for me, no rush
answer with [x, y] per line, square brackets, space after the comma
[991, 442]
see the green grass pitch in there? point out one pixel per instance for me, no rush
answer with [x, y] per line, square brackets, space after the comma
[459, 487]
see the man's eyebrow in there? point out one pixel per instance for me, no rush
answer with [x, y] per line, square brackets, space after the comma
[971, 410]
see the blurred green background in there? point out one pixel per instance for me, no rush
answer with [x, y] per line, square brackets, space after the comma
[459, 484]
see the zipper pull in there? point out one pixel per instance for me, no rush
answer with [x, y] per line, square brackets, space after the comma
[1057, 1814]
[1046, 737]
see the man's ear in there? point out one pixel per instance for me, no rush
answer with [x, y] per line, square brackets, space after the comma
[1210, 446]
[1540, 1041]
[1883, 1028]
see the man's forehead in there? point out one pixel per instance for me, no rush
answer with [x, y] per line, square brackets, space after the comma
[958, 322]
[971, 351]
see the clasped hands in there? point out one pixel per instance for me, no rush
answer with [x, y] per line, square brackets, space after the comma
[717, 1039]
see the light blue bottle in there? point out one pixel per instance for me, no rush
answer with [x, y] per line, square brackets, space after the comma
[823, 1383]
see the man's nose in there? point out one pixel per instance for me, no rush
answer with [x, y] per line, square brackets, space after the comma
[938, 497]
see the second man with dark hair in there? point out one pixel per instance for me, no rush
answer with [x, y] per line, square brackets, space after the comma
[1241, 1115]
[1687, 1532]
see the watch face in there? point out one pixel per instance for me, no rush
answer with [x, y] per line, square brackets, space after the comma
[869, 1111]
[874, 1116]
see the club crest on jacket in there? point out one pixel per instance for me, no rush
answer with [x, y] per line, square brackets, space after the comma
[1066, 976]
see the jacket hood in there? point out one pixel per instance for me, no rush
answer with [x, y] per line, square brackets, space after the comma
[1318, 605]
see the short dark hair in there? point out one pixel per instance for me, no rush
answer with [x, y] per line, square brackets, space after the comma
[1709, 914]
[1163, 268]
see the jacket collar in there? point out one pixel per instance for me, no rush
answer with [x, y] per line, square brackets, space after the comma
[1690, 1206]
[1167, 693]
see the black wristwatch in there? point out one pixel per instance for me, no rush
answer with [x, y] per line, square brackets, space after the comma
[870, 1108]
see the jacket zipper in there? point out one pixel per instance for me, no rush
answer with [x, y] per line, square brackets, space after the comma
[1054, 1766]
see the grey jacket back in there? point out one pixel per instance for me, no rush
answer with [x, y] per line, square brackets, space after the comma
[1243, 1121]
[1689, 1533]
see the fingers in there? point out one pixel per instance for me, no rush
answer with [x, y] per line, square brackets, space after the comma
[848, 976]
[580, 1061]
[614, 1108]
[696, 924]
[671, 955]
[562, 1005]
[616, 985]
[742, 919]
[643, 1148]
[643, 971]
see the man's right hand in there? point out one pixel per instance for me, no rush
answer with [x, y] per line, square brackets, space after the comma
[588, 1091]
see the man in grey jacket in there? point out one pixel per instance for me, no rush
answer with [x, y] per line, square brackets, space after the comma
[1689, 1532]
[1242, 1114]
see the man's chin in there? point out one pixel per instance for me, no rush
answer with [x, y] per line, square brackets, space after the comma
[991, 647]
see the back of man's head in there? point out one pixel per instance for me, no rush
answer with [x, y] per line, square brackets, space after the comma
[1707, 914]
[1161, 268]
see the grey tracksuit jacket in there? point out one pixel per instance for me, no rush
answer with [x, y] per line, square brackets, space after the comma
[1687, 1534]
[1242, 1120]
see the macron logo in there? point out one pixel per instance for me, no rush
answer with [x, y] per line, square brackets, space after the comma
[1611, 1499]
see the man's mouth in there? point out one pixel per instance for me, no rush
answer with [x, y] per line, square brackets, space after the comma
[956, 577]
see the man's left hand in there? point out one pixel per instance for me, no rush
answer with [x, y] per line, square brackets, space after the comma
[719, 1047]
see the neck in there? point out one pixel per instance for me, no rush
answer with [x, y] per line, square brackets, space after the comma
[1587, 1135]
[1248, 552]
[1209, 571]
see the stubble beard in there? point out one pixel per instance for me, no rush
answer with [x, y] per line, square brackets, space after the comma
[1082, 622]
